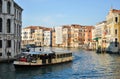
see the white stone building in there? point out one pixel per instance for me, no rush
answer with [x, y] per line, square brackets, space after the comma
[33, 35]
[59, 35]
[47, 37]
[98, 29]
[10, 29]
[98, 33]
[27, 36]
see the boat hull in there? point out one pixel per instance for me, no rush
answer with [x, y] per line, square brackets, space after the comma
[38, 65]
[32, 60]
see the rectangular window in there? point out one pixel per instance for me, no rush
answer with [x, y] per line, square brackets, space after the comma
[0, 43]
[9, 43]
[115, 31]
[0, 6]
[0, 24]
[8, 26]
[89, 39]
[15, 28]
[0, 54]
[116, 19]
[116, 43]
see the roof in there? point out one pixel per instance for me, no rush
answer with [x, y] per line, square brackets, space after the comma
[46, 52]
[15, 4]
[34, 27]
[75, 25]
[89, 26]
[66, 26]
[47, 29]
[115, 11]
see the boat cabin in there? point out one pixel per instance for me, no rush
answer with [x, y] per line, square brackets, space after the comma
[43, 58]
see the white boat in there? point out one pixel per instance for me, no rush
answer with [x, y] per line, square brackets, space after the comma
[113, 47]
[41, 58]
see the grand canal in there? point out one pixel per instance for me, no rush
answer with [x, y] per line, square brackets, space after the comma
[86, 65]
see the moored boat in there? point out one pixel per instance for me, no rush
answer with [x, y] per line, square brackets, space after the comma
[40, 58]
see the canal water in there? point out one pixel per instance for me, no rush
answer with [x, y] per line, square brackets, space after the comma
[86, 65]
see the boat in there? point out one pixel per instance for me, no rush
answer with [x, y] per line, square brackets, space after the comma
[41, 58]
[113, 48]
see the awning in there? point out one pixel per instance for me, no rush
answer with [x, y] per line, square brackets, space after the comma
[97, 38]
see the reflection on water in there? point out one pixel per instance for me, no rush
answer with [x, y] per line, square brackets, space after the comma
[86, 64]
[100, 66]
[7, 71]
[43, 72]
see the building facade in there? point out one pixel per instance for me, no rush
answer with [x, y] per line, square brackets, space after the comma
[47, 37]
[98, 32]
[113, 25]
[71, 35]
[75, 35]
[88, 36]
[82, 35]
[53, 37]
[58, 36]
[27, 35]
[10, 28]
[66, 36]
[37, 35]
[113, 29]
[33, 35]
[107, 33]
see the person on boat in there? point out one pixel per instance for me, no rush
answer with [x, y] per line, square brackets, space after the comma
[29, 58]
[40, 48]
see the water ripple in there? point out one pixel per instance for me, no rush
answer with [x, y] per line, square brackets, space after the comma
[86, 65]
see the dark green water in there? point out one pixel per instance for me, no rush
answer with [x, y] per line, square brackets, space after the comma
[86, 65]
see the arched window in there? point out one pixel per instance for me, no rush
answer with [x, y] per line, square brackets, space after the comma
[8, 26]
[8, 7]
[0, 24]
[0, 6]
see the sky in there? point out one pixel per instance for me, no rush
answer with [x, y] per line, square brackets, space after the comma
[52, 13]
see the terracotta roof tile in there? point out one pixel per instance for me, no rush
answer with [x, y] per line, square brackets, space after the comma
[75, 25]
[66, 26]
[34, 27]
[47, 29]
[115, 11]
